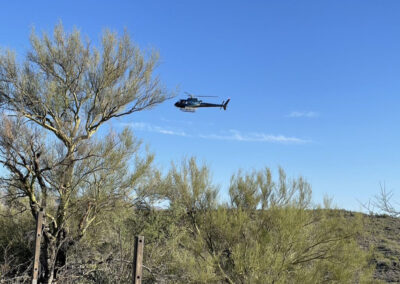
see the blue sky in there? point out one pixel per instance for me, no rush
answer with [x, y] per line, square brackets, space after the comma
[314, 85]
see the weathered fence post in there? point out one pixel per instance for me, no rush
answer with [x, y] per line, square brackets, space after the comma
[38, 238]
[138, 259]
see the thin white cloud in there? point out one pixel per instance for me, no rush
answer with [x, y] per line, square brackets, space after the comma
[188, 122]
[232, 135]
[235, 135]
[309, 114]
[154, 128]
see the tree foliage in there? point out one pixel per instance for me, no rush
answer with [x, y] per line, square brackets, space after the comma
[266, 234]
[98, 192]
[194, 238]
[53, 104]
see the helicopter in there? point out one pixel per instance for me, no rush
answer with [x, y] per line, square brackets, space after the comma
[190, 104]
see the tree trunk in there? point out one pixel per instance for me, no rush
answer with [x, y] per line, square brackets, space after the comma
[54, 256]
[48, 263]
[62, 248]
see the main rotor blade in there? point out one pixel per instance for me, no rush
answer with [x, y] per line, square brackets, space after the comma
[189, 94]
[195, 96]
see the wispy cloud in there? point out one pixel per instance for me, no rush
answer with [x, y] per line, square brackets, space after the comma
[235, 135]
[231, 135]
[309, 114]
[154, 128]
[187, 122]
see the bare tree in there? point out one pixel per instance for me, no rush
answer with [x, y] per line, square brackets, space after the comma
[53, 104]
[385, 202]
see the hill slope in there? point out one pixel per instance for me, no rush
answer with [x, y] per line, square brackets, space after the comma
[383, 234]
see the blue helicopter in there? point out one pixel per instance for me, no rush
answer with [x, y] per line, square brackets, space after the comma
[191, 103]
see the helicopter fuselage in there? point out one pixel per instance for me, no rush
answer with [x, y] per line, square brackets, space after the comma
[192, 103]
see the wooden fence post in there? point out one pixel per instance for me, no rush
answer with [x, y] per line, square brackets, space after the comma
[138, 259]
[38, 238]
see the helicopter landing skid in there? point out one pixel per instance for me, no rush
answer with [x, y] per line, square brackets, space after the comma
[188, 109]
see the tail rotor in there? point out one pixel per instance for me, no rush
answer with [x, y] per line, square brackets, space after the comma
[224, 105]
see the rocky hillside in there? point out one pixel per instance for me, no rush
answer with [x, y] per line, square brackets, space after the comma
[382, 234]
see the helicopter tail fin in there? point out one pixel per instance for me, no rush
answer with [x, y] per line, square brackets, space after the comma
[225, 104]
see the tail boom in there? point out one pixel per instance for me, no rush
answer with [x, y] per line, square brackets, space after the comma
[224, 105]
